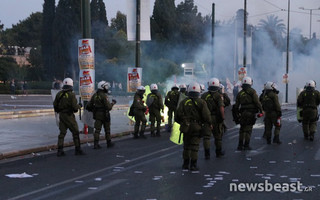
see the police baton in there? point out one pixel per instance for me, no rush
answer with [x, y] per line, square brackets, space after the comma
[80, 108]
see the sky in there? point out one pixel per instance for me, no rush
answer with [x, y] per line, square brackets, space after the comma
[10, 13]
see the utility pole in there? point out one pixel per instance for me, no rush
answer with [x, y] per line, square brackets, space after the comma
[310, 9]
[287, 58]
[138, 22]
[85, 19]
[245, 34]
[212, 39]
[86, 33]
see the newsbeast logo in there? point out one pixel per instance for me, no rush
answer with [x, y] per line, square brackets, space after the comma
[269, 187]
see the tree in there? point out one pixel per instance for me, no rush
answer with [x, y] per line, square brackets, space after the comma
[119, 23]
[67, 31]
[2, 49]
[98, 12]
[163, 20]
[8, 68]
[47, 42]
[26, 33]
[1, 26]
[275, 28]
[99, 29]
[36, 70]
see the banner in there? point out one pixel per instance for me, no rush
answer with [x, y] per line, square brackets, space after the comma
[144, 20]
[86, 65]
[134, 79]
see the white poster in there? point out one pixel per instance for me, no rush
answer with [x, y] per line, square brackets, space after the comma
[144, 20]
[134, 79]
[87, 69]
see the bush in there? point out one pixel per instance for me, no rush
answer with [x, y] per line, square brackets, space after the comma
[32, 87]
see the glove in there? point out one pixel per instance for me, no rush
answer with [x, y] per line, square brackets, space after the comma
[299, 121]
[260, 115]
[114, 101]
[147, 111]
[80, 104]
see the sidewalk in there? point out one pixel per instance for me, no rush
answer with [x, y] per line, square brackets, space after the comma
[30, 131]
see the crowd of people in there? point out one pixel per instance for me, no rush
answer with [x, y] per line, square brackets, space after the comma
[199, 113]
[22, 84]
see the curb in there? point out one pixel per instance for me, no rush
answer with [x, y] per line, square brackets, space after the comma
[40, 112]
[54, 146]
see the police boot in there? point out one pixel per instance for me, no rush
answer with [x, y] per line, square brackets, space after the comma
[60, 152]
[135, 133]
[193, 165]
[110, 144]
[276, 139]
[247, 146]
[152, 134]
[169, 128]
[79, 152]
[269, 140]
[186, 163]
[240, 146]
[219, 153]
[96, 145]
[158, 134]
[141, 134]
[264, 135]
[311, 138]
[306, 136]
[207, 154]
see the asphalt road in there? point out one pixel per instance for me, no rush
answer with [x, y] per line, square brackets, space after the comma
[151, 169]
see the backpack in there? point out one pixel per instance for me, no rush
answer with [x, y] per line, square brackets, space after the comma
[131, 111]
[267, 103]
[56, 105]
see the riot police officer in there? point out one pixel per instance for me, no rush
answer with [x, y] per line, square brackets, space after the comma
[309, 100]
[139, 110]
[155, 105]
[66, 105]
[171, 101]
[215, 104]
[271, 106]
[191, 114]
[244, 112]
[101, 108]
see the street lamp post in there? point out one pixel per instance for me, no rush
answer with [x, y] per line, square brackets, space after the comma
[287, 56]
[310, 9]
[245, 34]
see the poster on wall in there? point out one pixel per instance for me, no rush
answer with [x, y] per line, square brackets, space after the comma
[242, 72]
[87, 69]
[134, 79]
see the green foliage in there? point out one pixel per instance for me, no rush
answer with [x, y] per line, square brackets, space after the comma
[119, 23]
[158, 71]
[275, 28]
[98, 12]
[163, 20]
[67, 31]
[47, 41]
[1, 26]
[26, 33]
[9, 69]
